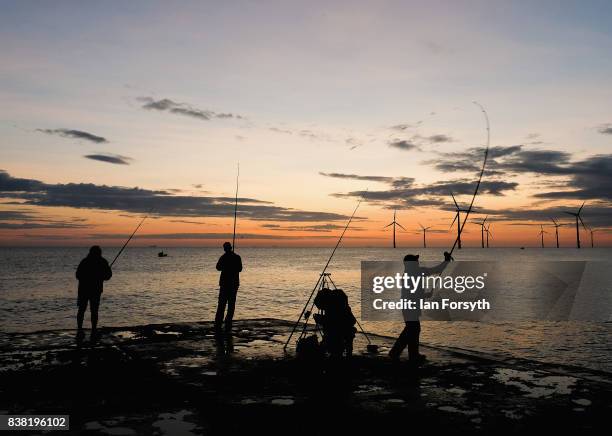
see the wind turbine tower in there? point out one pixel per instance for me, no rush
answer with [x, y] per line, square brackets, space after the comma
[557, 225]
[394, 223]
[592, 231]
[458, 219]
[542, 231]
[424, 230]
[578, 218]
[489, 234]
[482, 231]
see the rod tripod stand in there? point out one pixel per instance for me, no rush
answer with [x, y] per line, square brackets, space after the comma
[326, 282]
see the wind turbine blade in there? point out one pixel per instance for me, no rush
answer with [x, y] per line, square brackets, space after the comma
[582, 222]
[387, 225]
[580, 210]
[454, 219]
[485, 220]
[570, 213]
[455, 201]
[421, 225]
[400, 226]
[553, 220]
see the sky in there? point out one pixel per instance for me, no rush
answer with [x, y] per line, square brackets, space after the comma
[111, 110]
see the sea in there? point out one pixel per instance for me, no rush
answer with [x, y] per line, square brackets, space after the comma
[38, 292]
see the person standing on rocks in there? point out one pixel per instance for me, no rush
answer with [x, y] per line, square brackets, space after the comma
[230, 265]
[412, 329]
[91, 273]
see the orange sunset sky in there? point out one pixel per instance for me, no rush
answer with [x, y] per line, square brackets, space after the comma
[151, 107]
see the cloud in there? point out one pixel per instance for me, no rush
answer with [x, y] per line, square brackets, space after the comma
[138, 200]
[109, 158]
[78, 134]
[278, 130]
[167, 105]
[396, 182]
[26, 219]
[605, 129]
[594, 215]
[353, 143]
[187, 222]
[205, 236]
[403, 144]
[357, 177]
[437, 139]
[590, 178]
[404, 192]
[409, 195]
[402, 127]
[309, 228]
[586, 179]
[416, 142]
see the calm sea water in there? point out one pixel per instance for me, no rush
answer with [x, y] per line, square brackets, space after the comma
[38, 291]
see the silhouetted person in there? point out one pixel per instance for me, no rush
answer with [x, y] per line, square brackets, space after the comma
[230, 266]
[337, 321]
[92, 272]
[412, 330]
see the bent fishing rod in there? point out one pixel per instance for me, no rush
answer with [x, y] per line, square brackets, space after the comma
[130, 238]
[236, 208]
[484, 164]
[322, 275]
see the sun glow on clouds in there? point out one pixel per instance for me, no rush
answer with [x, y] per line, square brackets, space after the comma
[319, 109]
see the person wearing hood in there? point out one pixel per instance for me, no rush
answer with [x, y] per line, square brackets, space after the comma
[91, 273]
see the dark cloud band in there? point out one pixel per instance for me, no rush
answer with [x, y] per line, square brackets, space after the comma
[167, 105]
[110, 158]
[138, 200]
[77, 134]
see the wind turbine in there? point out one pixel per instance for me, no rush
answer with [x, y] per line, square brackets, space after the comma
[592, 231]
[394, 223]
[557, 225]
[542, 231]
[482, 230]
[457, 218]
[489, 234]
[578, 217]
[424, 230]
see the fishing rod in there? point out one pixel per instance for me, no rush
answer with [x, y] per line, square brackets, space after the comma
[484, 163]
[130, 238]
[236, 208]
[322, 274]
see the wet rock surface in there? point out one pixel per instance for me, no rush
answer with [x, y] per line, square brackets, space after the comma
[175, 379]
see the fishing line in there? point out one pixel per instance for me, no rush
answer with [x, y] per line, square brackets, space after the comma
[130, 238]
[236, 208]
[484, 163]
[322, 274]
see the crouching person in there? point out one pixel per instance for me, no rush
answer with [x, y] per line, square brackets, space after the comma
[337, 322]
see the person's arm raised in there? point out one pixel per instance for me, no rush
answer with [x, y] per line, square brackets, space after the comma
[440, 267]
